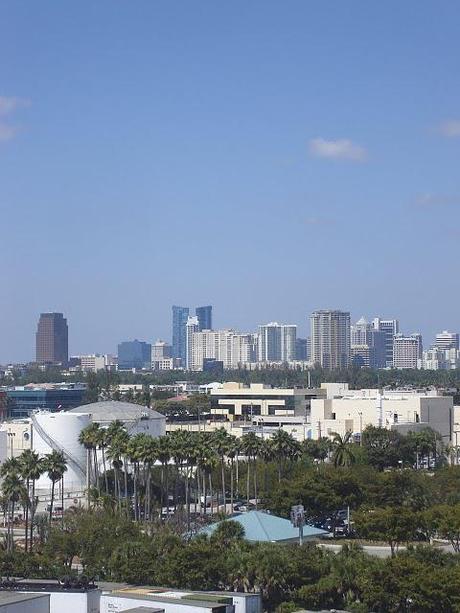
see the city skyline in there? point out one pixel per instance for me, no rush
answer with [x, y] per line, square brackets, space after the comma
[272, 160]
[442, 337]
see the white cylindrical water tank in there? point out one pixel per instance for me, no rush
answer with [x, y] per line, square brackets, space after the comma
[60, 432]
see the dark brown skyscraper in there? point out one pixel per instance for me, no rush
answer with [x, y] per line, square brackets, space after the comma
[52, 339]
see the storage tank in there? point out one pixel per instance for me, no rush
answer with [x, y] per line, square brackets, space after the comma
[60, 432]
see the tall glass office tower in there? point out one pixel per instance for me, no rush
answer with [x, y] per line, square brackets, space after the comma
[204, 314]
[179, 332]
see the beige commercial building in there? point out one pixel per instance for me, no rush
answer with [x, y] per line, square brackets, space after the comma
[354, 410]
[239, 401]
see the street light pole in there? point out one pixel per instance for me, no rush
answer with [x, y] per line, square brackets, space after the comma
[360, 428]
[456, 443]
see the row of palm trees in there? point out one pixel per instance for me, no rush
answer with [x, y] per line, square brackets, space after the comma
[150, 469]
[19, 477]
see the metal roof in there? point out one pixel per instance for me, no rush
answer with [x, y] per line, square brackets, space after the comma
[264, 527]
[110, 410]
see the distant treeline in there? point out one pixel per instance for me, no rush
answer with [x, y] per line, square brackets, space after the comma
[279, 377]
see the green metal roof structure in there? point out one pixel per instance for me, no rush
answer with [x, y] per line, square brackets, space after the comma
[263, 527]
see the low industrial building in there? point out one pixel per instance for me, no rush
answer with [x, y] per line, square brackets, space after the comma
[126, 598]
[51, 596]
[23, 400]
[354, 410]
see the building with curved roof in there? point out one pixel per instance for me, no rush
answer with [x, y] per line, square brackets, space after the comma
[135, 417]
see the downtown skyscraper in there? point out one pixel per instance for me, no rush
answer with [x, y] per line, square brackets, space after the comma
[179, 332]
[52, 340]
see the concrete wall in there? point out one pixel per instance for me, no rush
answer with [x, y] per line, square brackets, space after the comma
[74, 602]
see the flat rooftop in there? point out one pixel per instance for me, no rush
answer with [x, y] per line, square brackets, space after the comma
[15, 597]
[41, 585]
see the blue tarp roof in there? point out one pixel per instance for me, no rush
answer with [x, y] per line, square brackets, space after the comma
[263, 527]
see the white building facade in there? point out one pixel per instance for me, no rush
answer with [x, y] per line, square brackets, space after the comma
[277, 342]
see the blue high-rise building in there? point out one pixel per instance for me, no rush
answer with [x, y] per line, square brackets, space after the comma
[204, 314]
[134, 354]
[179, 332]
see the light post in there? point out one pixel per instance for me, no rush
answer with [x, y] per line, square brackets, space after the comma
[11, 436]
[456, 442]
[298, 519]
[360, 428]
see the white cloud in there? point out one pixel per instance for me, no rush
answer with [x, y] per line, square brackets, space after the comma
[8, 104]
[450, 128]
[341, 149]
[437, 200]
[7, 132]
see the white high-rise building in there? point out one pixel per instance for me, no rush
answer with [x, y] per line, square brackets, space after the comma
[229, 347]
[447, 340]
[276, 342]
[389, 327]
[330, 339]
[192, 326]
[407, 350]
[440, 359]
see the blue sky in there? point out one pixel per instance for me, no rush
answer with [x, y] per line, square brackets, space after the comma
[265, 157]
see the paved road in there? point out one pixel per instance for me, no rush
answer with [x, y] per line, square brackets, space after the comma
[380, 551]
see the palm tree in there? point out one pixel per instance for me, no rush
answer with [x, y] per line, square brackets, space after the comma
[220, 444]
[342, 454]
[134, 455]
[284, 447]
[117, 439]
[164, 455]
[13, 491]
[232, 453]
[100, 436]
[31, 467]
[88, 438]
[55, 465]
[251, 446]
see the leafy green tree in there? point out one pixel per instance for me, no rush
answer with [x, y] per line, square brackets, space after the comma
[391, 525]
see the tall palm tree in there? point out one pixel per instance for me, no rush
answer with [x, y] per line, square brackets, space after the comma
[251, 446]
[13, 490]
[284, 447]
[220, 444]
[31, 467]
[164, 455]
[55, 465]
[117, 439]
[89, 439]
[343, 454]
[232, 453]
[101, 440]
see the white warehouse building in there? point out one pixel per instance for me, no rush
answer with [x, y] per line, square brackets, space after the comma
[354, 410]
[135, 417]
